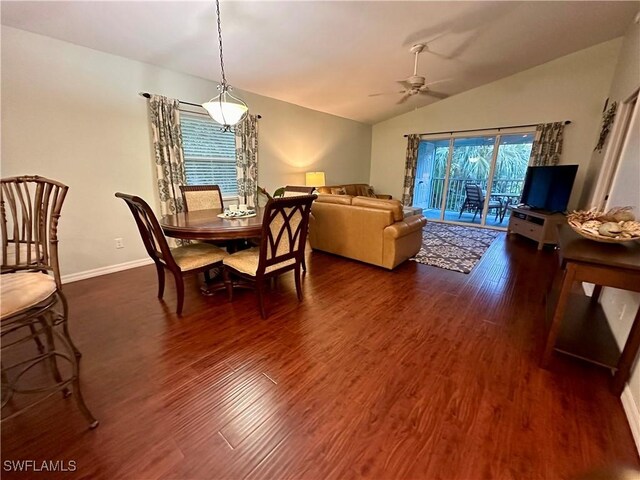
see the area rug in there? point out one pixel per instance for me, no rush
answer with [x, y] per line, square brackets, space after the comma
[453, 247]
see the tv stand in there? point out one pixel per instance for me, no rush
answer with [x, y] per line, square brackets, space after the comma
[535, 224]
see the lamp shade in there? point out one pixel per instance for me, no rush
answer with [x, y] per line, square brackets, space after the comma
[226, 109]
[314, 179]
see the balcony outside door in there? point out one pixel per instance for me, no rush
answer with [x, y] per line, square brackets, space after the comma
[450, 171]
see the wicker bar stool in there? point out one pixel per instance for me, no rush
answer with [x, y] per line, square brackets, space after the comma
[32, 303]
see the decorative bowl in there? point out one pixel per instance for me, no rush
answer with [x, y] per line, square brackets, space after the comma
[589, 223]
[601, 238]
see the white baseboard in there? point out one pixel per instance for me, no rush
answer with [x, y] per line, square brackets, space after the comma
[96, 272]
[633, 415]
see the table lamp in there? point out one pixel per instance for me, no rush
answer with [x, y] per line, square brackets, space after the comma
[314, 179]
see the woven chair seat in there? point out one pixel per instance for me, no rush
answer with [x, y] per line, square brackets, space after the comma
[246, 261]
[23, 290]
[197, 255]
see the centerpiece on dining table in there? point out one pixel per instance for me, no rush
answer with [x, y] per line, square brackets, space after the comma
[238, 211]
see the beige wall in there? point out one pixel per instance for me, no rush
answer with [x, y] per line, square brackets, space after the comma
[625, 83]
[73, 114]
[621, 306]
[573, 88]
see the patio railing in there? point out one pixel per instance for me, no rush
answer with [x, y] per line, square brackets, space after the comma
[429, 194]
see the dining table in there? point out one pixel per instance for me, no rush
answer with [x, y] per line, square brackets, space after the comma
[207, 225]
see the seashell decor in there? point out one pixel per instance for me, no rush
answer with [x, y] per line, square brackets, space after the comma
[615, 226]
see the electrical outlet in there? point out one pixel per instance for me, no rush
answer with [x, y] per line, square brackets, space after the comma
[119, 243]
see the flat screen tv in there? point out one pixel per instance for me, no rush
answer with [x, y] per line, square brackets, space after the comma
[548, 188]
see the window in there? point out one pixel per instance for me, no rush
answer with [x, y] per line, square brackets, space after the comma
[209, 154]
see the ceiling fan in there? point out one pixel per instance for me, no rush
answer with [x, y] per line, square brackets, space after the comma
[415, 84]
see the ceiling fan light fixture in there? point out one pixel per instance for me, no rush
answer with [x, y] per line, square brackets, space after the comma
[226, 109]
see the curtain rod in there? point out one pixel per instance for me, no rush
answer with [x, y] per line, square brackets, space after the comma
[148, 95]
[451, 132]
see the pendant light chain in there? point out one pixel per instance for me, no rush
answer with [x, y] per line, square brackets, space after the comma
[226, 108]
[224, 78]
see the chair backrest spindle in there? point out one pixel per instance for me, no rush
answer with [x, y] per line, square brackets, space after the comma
[30, 208]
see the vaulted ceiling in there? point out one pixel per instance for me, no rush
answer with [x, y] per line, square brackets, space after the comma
[330, 55]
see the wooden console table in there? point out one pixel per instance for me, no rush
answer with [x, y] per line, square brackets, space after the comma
[536, 225]
[578, 326]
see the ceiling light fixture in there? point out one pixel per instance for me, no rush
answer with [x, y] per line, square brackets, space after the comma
[226, 109]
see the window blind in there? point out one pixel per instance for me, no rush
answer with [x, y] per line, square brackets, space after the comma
[209, 154]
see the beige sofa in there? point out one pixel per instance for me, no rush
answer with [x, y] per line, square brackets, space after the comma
[367, 229]
[353, 189]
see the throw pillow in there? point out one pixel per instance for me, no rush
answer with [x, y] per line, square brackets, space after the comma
[370, 192]
[338, 191]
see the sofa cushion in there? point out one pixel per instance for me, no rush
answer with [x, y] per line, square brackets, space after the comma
[361, 190]
[341, 199]
[353, 189]
[394, 206]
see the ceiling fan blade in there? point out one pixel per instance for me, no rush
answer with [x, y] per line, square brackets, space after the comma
[440, 55]
[435, 82]
[386, 93]
[431, 93]
[404, 98]
[420, 36]
[405, 84]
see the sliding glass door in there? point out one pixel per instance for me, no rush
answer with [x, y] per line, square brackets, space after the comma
[510, 169]
[471, 179]
[468, 175]
[428, 191]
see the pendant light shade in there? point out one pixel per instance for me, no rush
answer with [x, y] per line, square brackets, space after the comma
[226, 109]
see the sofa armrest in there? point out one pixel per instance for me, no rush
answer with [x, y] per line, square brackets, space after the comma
[405, 227]
[384, 197]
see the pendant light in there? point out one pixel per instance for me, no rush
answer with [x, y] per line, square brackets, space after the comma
[226, 109]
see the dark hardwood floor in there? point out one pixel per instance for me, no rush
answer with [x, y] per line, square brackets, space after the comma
[418, 373]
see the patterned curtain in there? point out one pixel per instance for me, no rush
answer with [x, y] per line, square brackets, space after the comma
[247, 160]
[167, 143]
[547, 145]
[413, 142]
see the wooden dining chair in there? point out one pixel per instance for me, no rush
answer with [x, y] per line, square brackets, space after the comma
[201, 197]
[284, 235]
[180, 261]
[296, 191]
[32, 305]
